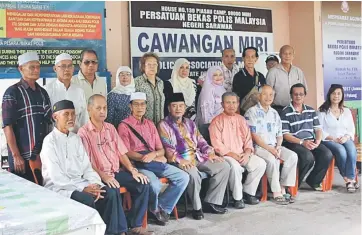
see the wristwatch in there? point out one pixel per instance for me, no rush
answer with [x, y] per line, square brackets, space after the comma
[301, 142]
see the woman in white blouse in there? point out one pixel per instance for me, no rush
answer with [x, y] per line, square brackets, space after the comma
[338, 134]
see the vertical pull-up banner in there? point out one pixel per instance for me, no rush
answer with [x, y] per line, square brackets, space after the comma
[197, 32]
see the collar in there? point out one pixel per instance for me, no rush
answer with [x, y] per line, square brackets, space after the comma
[258, 105]
[134, 121]
[59, 83]
[235, 67]
[144, 76]
[280, 66]
[295, 111]
[82, 77]
[90, 127]
[173, 120]
[61, 134]
[246, 73]
[25, 84]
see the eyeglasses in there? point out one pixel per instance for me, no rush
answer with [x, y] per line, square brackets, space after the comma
[125, 74]
[142, 105]
[299, 94]
[65, 66]
[151, 65]
[87, 62]
[34, 67]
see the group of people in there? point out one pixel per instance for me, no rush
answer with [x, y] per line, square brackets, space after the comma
[92, 143]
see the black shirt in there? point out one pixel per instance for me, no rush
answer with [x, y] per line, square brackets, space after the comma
[243, 82]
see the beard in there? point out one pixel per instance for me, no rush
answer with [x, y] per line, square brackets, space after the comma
[71, 129]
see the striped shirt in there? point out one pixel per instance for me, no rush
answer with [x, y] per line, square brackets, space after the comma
[300, 125]
[29, 112]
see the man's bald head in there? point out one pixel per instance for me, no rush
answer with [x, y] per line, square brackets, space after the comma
[286, 54]
[266, 95]
[97, 108]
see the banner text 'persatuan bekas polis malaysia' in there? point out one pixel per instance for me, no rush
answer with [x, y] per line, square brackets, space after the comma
[197, 32]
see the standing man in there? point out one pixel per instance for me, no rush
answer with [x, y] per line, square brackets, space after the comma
[283, 76]
[231, 138]
[87, 77]
[229, 67]
[26, 114]
[302, 133]
[271, 61]
[185, 146]
[64, 89]
[247, 80]
[266, 131]
[107, 154]
[145, 147]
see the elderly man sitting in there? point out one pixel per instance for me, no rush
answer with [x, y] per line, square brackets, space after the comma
[231, 138]
[186, 147]
[266, 130]
[66, 170]
[145, 147]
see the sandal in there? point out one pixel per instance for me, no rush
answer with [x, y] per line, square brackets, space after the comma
[289, 198]
[356, 185]
[280, 200]
[350, 187]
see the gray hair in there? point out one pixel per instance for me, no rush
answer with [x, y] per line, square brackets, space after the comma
[93, 97]
[229, 93]
[260, 89]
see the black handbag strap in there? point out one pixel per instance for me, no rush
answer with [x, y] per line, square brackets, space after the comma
[138, 136]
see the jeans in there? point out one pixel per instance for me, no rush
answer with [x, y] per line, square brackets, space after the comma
[346, 157]
[178, 181]
[110, 208]
[320, 157]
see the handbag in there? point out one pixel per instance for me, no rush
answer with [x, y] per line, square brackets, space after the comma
[251, 98]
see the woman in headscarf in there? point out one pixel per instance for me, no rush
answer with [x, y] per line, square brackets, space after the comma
[209, 104]
[118, 98]
[180, 82]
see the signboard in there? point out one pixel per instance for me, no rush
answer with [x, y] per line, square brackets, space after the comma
[197, 32]
[50, 28]
[341, 32]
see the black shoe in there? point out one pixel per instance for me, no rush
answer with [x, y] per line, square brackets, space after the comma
[251, 200]
[158, 218]
[215, 209]
[239, 204]
[197, 214]
[165, 215]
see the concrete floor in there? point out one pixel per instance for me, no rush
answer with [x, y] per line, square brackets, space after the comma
[314, 213]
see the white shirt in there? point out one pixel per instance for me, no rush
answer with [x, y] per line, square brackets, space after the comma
[228, 76]
[99, 85]
[337, 128]
[57, 92]
[65, 164]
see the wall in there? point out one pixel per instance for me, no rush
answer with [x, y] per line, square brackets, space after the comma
[117, 28]
[305, 36]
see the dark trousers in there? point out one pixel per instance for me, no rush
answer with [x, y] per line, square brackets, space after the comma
[28, 175]
[139, 194]
[320, 157]
[110, 208]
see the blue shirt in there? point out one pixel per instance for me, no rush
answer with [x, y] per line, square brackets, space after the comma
[267, 125]
[118, 108]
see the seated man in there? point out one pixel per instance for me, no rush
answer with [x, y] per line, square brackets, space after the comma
[66, 170]
[231, 138]
[266, 131]
[303, 134]
[186, 147]
[106, 151]
[141, 138]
